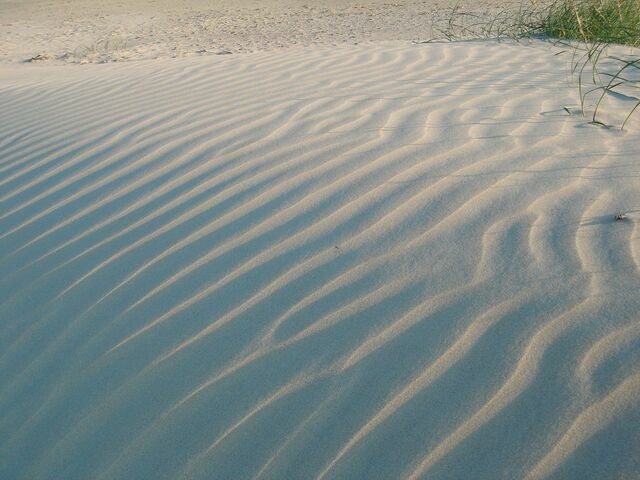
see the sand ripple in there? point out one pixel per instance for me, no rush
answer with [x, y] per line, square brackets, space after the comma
[391, 261]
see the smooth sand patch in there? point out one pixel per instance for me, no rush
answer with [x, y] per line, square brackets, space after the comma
[86, 31]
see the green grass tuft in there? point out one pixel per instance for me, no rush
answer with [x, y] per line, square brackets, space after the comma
[589, 27]
[602, 21]
[594, 25]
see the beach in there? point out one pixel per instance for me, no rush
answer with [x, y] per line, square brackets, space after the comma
[85, 31]
[256, 253]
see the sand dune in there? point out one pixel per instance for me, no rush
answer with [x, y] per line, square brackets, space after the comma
[380, 261]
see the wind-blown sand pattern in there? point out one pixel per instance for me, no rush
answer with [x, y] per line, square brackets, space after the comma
[383, 261]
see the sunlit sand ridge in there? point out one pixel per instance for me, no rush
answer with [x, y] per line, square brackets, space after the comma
[381, 261]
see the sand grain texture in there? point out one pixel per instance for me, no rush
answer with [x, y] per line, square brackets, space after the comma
[381, 261]
[88, 31]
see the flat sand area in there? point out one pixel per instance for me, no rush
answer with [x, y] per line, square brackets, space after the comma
[382, 260]
[81, 31]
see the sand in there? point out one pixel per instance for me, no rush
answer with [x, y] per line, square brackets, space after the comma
[380, 261]
[86, 31]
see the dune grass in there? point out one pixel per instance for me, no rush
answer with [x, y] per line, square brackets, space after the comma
[459, 24]
[589, 27]
[602, 21]
[594, 25]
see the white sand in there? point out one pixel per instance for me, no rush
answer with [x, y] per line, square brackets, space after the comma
[372, 261]
[89, 31]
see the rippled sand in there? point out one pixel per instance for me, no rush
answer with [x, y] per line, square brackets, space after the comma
[378, 261]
